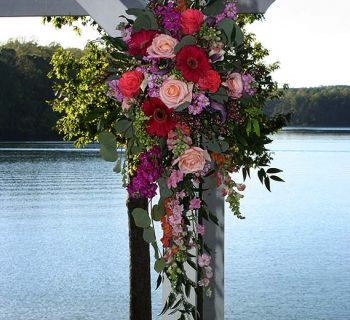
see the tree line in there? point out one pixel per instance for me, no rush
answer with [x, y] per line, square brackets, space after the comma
[25, 91]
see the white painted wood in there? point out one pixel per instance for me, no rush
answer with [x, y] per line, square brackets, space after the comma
[213, 307]
[28, 8]
[106, 13]
[254, 6]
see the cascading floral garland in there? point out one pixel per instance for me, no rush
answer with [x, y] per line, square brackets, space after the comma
[192, 102]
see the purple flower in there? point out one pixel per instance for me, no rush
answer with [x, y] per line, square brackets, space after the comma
[199, 102]
[170, 18]
[248, 80]
[195, 203]
[149, 170]
[229, 12]
[114, 91]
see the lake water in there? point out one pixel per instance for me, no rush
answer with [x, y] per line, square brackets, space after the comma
[64, 250]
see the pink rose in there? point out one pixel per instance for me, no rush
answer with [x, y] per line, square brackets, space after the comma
[191, 21]
[175, 92]
[192, 160]
[162, 47]
[234, 85]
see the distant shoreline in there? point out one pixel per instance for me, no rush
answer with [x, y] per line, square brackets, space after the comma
[325, 130]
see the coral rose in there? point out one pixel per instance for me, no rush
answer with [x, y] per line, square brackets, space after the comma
[192, 160]
[234, 85]
[191, 21]
[162, 47]
[175, 92]
[130, 83]
[210, 82]
[140, 41]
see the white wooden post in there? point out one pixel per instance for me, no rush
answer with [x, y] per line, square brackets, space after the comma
[106, 13]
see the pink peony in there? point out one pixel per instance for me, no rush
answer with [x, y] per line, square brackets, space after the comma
[234, 85]
[192, 160]
[175, 92]
[162, 47]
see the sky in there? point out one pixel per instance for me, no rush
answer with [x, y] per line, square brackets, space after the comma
[310, 39]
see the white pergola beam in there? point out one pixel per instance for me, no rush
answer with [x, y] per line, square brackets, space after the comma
[105, 12]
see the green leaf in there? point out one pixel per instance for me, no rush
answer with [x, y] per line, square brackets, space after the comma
[117, 42]
[267, 184]
[149, 235]
[141, 218]
[220, 96]
[118, 166]
[157, 212]
[182, 107]
[159, 265]
[273, 170]
[135, 12]
[249, 127]
[256, 126]
[165, 192]
[107, 138]
[276, 178]
[108, 153]
[261, 175]
[227, 25]
[237, 36]
[214, 8]
[141, 22]
[156, 250]
[185, 41]
[122, 125]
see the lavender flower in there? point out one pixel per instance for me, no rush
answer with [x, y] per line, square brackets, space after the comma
[199, 102]
[248, 80]
[114, 91]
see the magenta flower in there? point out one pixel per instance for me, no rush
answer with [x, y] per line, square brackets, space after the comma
[200, 229]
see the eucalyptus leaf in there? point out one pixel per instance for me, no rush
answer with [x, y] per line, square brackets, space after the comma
[141, 218]
[122, 125]
[237, 36]
[108, 153]
[157, 212]
[183, 106]
[214, 8]
[228, 26]
[118, 166]
[149, 235]
[185, 41]
[159, 265]
[107, 138]
[165, 192]
[141, 22]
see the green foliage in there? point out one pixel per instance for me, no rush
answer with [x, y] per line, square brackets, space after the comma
[24, 90]
[80, 96]
[315, 107]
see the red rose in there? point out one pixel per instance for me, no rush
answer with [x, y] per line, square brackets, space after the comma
[191, 21]
[193, 63]
[130, 82]
[140, 41]
[210, 82]
[160, 122]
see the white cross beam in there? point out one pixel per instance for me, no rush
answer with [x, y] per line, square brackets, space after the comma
[106, 13]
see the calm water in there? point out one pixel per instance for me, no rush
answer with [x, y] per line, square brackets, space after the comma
[63, 236]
